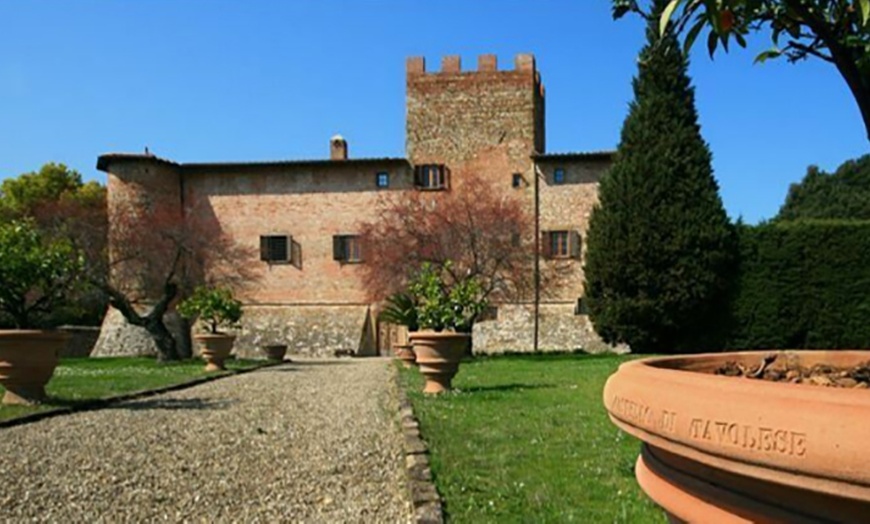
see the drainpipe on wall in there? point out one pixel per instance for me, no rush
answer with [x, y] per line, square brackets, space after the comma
[538, 175]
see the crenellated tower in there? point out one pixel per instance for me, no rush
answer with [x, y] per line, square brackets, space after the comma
[454, 116]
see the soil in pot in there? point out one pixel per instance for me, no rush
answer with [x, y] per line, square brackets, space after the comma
[778, 367]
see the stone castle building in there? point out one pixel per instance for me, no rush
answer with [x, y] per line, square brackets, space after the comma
[302, 216]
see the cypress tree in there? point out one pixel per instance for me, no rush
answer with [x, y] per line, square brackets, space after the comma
[660, 245]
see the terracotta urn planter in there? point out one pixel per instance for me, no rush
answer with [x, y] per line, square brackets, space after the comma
[27, 362]
[215, 348]
[405, 353]
[275, 352]
[438, 356]
[735, 449]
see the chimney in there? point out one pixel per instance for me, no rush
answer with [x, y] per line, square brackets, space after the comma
[337, 148]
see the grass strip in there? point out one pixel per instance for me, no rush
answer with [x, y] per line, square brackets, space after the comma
[90, 383]
[526, 438]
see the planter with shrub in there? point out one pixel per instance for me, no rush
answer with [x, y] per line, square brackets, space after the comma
[36, 276]
[446, 311]
[215, 309]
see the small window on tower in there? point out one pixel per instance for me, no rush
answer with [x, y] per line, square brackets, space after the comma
[431, 176]
[517, 180]
[383, 179]
[559, 176]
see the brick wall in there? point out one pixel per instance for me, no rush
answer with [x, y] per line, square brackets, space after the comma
[309, 203]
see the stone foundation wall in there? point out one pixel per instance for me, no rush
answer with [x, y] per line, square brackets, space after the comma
[308, 330]
[118, 338]
[560, 330]
[82, 341]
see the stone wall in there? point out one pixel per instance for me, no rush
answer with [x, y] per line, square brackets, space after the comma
[308, 330]
[118, 338]
[560, 330]
[453, 115]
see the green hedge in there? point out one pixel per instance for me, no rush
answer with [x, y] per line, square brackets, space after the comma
[803, 285]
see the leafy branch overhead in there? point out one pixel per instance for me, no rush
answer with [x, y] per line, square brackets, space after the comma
[835, 31]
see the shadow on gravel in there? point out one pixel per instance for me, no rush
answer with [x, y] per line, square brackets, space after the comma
[303, 363]
[174, 404]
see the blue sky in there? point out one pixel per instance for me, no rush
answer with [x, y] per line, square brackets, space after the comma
[256, 80]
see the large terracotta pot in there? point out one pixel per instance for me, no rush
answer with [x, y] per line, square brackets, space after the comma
[438, 357]
[275, 352]
[405, 353]
[215, 348]
[729, 449]
[27, 362]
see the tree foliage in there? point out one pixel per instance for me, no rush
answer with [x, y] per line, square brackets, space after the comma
[660, 243]
[843, 194]
[835, 31]
[803, 285]
[214, 307]
[470, 233]
[36, 274]
[63, 207]
[446, 303]
[157, 257]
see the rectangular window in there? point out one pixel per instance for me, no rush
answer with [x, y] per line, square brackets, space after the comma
[517, 180]
[430, 176]
[275, 248]
[559, 176]
[383, 179]
[561, 244]
[347, 248]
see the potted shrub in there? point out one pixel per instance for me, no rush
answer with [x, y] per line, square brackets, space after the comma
[215, 308]
[446, 312]
[401, 310]
[782, 439]
[274, 351]
[36, 275]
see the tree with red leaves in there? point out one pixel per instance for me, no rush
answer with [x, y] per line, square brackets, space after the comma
[485, 235]
[157, 257]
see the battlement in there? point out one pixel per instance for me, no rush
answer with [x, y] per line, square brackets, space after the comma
[451, 114]
[452, 64]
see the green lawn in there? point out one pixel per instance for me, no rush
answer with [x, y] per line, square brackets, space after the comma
[80, 379]
[527, 439]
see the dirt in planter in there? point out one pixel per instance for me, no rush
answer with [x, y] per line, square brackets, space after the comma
[780, 368]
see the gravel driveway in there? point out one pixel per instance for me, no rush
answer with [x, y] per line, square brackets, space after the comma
[310, 441]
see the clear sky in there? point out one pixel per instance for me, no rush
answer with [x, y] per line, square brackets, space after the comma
[258, 80]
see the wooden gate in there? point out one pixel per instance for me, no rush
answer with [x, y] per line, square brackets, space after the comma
[389, 334]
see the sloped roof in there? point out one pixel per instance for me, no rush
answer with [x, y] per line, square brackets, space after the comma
[576, 155]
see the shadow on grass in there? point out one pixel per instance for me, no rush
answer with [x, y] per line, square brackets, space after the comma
[505, 388]
[548, 356]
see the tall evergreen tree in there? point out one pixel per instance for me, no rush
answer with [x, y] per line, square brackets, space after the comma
[660, 245]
